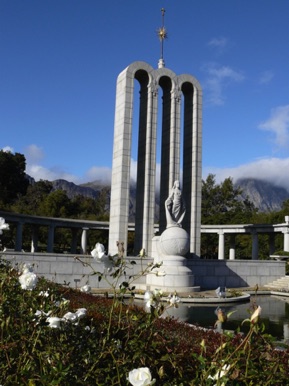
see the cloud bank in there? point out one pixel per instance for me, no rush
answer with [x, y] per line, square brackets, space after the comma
[278, 126]
[218, 78]
[274, 170]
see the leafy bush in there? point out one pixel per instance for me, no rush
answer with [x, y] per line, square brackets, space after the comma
[48, 339]
[281, 253]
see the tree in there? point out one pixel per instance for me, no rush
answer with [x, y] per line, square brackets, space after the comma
[13, 180]
[56, 204]
[222, 204]
[36, 194]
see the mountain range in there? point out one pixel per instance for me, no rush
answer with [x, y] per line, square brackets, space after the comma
[264, 195]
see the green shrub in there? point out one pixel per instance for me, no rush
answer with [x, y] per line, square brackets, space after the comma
[281, 253]
[113, 338]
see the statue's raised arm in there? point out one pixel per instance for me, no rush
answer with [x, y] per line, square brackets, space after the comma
[175, 206]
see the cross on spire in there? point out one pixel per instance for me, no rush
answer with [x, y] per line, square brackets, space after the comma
[162, 34]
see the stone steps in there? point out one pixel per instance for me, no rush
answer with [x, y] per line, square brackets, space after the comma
[282, 283]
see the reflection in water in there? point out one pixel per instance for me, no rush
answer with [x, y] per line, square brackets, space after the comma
[275, 314]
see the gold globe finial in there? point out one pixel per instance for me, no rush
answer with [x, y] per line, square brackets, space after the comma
[162, 34]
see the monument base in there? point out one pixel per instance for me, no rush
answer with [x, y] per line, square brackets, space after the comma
[177, 276]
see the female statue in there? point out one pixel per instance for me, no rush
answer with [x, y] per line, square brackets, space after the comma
[175, 206]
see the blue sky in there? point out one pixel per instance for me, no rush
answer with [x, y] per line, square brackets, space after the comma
[60, 60]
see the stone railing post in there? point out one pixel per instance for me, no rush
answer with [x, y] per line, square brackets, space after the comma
[34, 239]
[84, 241]
[232, 251]
[221, 247]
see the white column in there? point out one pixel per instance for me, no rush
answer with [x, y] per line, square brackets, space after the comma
[286, 240]
[34, 239]
[120, 178]
[221, 248]
[286, 235]
[255, 246]
[232, 251]
[150, 172]
[84, 241]
[286, 331]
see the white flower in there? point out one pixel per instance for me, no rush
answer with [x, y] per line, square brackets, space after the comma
[255, 316]
[157, 293]
[81, 313]
[174, 300]
[63, 302]
[71, 317]
[98, 252]
[54, 321]
[220, 373]
[152, 299]
[28, 280]
[38, 313]
[44, 294]
[27, 268]
[3, 225]
[86, 289]
[148, 295]
[142, 252]
[141, 377]
[149, 300]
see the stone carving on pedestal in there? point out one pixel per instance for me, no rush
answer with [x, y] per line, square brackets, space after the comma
[175, 240]
[173, 245]
[175, 206]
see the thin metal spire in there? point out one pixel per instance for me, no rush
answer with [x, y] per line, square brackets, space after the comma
[162, 34]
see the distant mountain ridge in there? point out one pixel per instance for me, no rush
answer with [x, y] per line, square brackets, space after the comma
[264, 195]
[90, 190]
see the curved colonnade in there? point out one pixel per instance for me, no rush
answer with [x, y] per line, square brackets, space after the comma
[85, 225]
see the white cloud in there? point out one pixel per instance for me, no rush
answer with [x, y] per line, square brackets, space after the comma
[266, 77]
[39, 172]
[98, 173]
[133, 169]
[33, 154]
[8, 149]
[220, 77]
[278, 125]
[274, 170]
[219, 43]
[133, 172]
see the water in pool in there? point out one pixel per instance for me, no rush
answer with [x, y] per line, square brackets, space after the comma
[275, 314]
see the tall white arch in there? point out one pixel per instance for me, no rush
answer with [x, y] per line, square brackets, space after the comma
[173, 87]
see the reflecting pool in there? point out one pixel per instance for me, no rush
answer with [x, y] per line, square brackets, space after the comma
[275, 314]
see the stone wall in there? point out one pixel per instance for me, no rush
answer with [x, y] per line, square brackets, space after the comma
[235, 273]
[208, 274]
[62, 268]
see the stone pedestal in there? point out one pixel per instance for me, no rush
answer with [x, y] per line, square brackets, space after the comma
[178, 277]
[171, 246]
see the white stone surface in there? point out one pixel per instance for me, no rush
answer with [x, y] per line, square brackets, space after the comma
[174, 241]
[175, 88]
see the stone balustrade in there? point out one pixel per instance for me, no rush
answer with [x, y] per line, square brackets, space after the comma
[86, 225]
